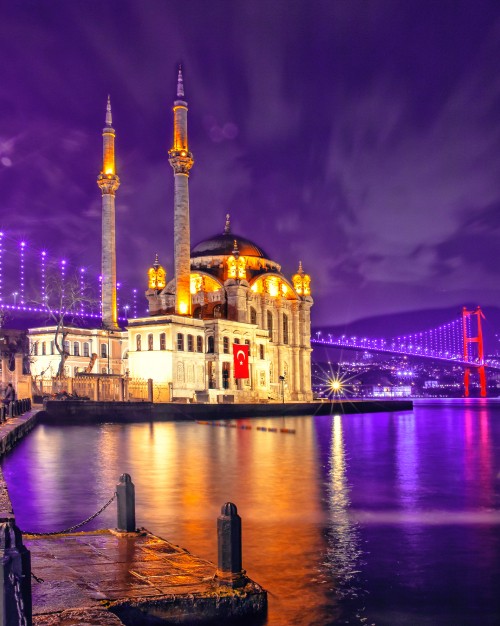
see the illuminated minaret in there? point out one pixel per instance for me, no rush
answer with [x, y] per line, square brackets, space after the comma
[181, 161]
[108, 183]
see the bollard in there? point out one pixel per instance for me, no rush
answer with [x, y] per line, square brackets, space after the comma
[125, 504]
[15, 577]
[150, 390]
[229, 567]
[2, 413]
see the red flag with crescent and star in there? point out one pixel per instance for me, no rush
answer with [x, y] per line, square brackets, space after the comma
[240, 354]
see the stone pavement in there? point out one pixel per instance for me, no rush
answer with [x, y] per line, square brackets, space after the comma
[85, 578]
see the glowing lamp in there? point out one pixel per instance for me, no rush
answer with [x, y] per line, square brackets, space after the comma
[183, 308]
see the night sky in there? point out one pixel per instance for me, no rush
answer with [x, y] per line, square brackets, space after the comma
[360, 137]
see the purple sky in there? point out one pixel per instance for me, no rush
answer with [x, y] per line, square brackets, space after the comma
[360, 137]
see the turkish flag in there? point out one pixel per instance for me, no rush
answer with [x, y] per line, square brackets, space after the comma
[240, 354]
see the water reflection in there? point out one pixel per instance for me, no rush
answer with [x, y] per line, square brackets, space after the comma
[342, 557]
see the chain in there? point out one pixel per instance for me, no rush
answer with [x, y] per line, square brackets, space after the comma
[14, 581]
[72, 528]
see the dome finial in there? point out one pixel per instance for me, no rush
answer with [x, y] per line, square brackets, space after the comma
[301, 271]
[180, 83]
[227, 228]
[156, 264]
[236, 252]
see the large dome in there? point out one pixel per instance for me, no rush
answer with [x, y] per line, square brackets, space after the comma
[223, 245]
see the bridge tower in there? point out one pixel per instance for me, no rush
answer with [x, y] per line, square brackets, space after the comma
[469, 338]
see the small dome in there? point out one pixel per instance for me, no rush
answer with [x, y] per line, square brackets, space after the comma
[223, 245]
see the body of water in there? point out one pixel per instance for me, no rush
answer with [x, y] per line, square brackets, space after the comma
[383, 518]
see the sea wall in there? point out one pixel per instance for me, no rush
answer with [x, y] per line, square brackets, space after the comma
[123, 412]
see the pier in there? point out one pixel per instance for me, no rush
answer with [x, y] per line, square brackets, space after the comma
[125, 575]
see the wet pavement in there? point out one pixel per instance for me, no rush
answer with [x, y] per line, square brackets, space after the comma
[135, 575]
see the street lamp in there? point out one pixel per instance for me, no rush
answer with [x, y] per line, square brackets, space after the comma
[15, 294]
[282, 381]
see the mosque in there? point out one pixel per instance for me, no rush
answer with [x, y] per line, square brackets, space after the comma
[229, 326]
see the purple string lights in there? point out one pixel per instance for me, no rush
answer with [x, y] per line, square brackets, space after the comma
[22, 248]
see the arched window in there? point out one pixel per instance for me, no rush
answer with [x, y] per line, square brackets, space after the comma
[44, 347]
[217, 311]
[197, 313]
[76, 348]
[199, 343]
[247, 343]
[66, 347]
[225, 343]
[163, 341]
[253, 316]
[261, 350]
[34, 348]
[190, 343]
[138, 341]
[86, 349]
[270, 325]
[104, 351]
[285, 328]
[210, 344]
[180, 372]
[150, 341]
[180, 341]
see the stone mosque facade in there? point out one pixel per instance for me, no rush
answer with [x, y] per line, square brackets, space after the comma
[226, 291]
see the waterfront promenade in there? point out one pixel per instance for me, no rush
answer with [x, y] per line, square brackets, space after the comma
[116, 576]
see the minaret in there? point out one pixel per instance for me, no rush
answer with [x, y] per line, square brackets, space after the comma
[108, 183]
[181, 161]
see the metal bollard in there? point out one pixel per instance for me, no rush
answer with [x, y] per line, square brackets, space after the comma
[15, 576]
[229, 565]
[125, 501]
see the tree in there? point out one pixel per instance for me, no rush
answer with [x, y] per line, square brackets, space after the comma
[65, 300]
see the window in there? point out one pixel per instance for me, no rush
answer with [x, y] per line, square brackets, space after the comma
[217, 311]
[225, 343]
[138, 342]
[253, 316]
[285, 328]
[197, 313]
[270, 325]
[247, 343]
[210, 345]
[44, 347]
[163, 341]
[104, 351]
[199, 343]
[51, 347]
[150, 341]
[261, 350]
[76, 348]
[86, 349]
[236, 340]
[66, 347]
[180, 341]
[103, 370]
[34, 348]
[190, 343]
[180, 371]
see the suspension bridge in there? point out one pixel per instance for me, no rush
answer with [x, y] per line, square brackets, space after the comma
[459, 341]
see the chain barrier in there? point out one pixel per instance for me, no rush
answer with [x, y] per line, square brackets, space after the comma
[76, 526]
[14, 581]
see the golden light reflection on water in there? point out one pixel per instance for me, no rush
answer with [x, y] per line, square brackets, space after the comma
[343, 552]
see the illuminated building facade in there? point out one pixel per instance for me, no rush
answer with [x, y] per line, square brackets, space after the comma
[225, 291]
